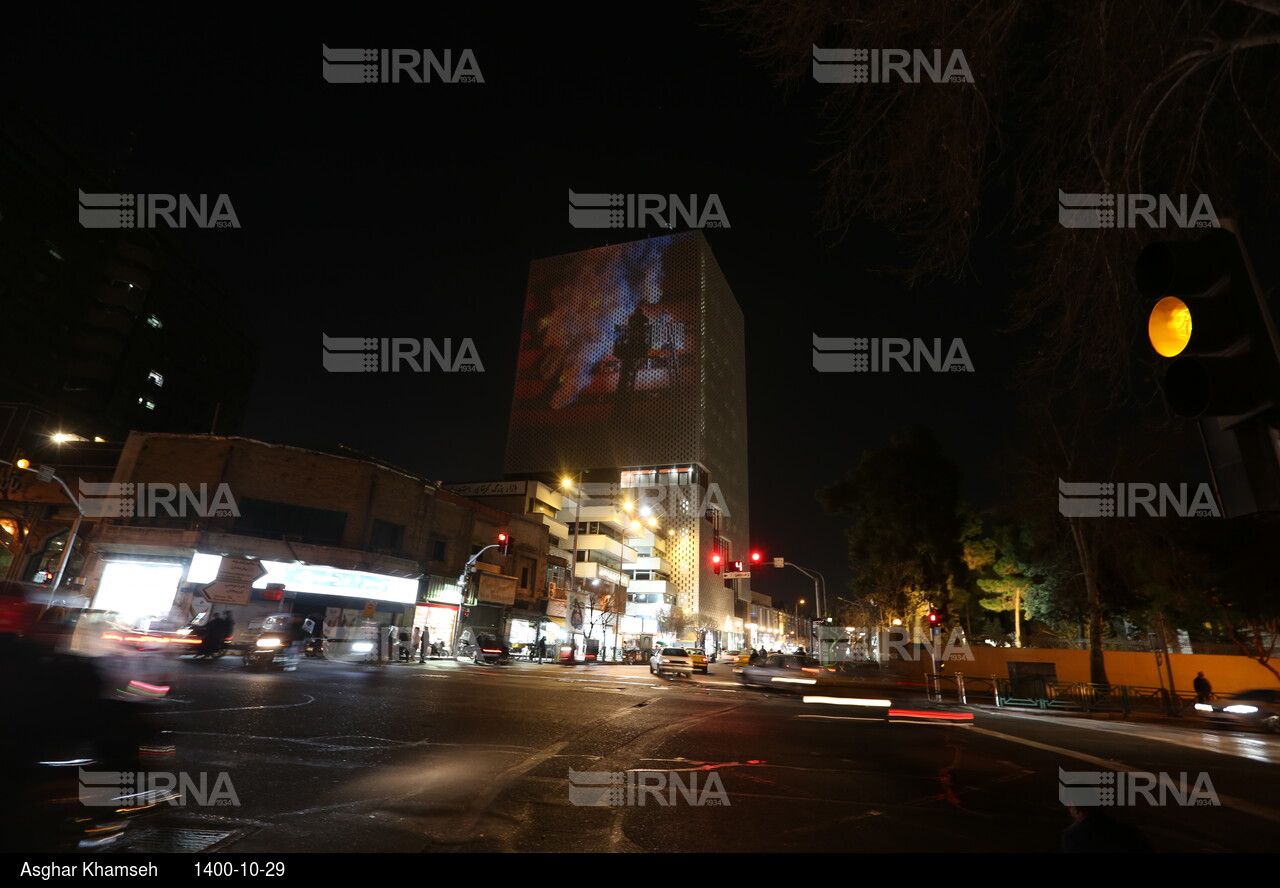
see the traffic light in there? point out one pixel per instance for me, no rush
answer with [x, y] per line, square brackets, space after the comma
[756, 557]
[934, 617]
[23, 464]
[716, 561]
[1210, 322]
[505, 541]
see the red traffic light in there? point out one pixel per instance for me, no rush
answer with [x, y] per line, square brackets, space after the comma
[502, 537]
[716, 561]
[755, 557]
[934, 616]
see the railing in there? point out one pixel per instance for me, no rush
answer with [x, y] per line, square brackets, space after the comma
[1063, 696]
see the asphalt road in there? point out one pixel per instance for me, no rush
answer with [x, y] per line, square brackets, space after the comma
[455, 757]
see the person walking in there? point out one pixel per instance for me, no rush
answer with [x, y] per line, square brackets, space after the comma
[1204, 690]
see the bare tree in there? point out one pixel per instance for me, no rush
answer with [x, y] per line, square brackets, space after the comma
[1089, 97]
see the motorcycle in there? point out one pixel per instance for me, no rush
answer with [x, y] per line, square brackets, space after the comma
[273, 647]
[317, 648]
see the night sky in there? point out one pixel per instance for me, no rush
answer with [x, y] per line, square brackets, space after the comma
[415, 209]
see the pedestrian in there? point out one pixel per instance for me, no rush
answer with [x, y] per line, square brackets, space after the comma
[296, 636]
[1093, 831]
[1204, 690]
[542, 648]
[417, 639]
[230, 623]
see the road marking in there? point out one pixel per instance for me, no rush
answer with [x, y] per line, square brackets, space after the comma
[307, 702]
[1112, 765]
[1261, 751]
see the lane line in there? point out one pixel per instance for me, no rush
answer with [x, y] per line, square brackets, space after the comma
[1242, 805]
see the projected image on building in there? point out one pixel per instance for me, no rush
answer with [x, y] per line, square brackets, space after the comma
[609, 336]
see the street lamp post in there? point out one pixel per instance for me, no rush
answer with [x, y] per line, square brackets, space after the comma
[45, 473]
[573, 564]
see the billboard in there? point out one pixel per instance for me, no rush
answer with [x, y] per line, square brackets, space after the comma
[609, 362]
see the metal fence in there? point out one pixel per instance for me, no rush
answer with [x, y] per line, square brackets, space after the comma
[1068, 696]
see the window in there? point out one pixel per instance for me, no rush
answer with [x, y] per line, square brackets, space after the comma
[156, 378]
[150, 405]
[154, 321]
[270, 519]
[437, 550]
[386, 536]
[524, 578]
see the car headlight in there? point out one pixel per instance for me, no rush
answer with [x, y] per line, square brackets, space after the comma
[1204, 707]
[1240, 709]
[362, 647]
[268, 642]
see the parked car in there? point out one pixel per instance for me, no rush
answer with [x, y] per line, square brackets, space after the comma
[480, 646]
[671, 661]
[1257, 709]
[699, 659]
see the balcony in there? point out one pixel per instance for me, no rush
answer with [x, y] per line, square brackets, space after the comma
[558, 529]
[653, 587]
[590, 570]
[661, 565]
[603, 543]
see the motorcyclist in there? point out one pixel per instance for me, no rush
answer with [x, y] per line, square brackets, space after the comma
[213, 639]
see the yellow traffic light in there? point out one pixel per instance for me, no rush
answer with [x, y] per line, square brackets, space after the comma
[23, 463]
[1169, 327]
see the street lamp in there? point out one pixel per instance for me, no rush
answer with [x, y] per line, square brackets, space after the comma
[45, 473]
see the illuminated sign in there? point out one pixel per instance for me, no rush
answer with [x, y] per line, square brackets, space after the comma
[316, 579]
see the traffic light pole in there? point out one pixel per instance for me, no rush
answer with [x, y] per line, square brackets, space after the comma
[464, 583]
[817, 594]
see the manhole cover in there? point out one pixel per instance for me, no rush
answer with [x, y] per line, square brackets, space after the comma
[155, 840]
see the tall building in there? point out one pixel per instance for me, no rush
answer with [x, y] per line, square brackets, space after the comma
[106, 330]
[631, 382]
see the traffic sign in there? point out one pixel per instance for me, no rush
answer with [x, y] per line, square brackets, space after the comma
[234, 584]
[779, 562]
[737, 575]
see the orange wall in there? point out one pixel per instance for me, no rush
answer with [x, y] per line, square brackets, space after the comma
[1227, 674]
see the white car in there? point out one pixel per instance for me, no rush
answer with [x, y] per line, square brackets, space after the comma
[671, 661]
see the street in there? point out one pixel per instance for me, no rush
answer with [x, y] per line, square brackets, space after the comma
[447, 756]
